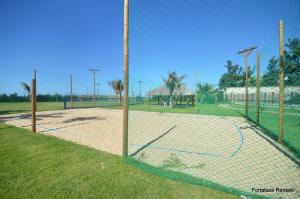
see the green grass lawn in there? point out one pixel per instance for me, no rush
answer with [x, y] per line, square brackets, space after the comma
[269, 122]
[204, 109]
[22, 107]
[39, 166]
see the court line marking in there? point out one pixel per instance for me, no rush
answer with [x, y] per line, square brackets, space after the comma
[152, 141]
[238, 149]
[177, 150]
[241, 140]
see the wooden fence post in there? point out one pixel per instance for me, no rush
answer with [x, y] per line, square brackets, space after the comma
[258, 88]
[33, 105]
[125, 102]
[281, 84]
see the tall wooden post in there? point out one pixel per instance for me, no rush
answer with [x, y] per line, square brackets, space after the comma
[34, 77]
[94, 88]
[246, 53]
[281, 84]
[258, 88]
[125, 102]
[33, 105]
[71, 90]
[246, 86]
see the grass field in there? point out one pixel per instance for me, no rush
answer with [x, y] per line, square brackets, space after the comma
[39, 166]
[269, 122]
[22, 107]
[204, 109]
[268, 118]
[209, 109]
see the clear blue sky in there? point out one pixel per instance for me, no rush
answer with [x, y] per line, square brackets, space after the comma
[63, 37]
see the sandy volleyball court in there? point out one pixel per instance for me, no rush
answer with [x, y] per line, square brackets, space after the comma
[224, 150]
[97, 128]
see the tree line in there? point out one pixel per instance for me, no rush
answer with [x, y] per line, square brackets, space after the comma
[14, 97]
[235, 75]
[117, 86]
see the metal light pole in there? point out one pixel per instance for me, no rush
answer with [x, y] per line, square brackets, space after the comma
[98, 91]
[94, 74]
[140, 84]
[71, 90]
[246, 53]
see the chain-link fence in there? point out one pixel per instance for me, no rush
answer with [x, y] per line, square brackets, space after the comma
[205, 106]
[202, 122]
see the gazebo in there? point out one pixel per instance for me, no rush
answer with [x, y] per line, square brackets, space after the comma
[182, 95]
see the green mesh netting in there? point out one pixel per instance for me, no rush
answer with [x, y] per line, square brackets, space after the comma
[192, 124]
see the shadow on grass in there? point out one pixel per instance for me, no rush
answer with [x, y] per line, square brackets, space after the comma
[176, 106]
[184, 106]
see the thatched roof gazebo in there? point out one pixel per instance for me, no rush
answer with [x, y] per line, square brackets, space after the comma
[182, 95]
[164, 91]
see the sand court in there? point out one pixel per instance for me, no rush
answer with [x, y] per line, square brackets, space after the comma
[97, 128]
[223, 150]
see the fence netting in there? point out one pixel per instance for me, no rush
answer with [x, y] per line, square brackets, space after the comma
[195, 123]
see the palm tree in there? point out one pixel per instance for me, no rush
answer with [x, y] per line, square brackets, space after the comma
[26, 88]
[111, 85]
[118, 87]
[204, 89]
[172, 82]
[297, 51]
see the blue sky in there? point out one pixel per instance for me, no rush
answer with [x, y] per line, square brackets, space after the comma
[190, 36]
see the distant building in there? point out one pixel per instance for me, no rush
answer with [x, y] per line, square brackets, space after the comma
[268, 90]
[267, 94]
